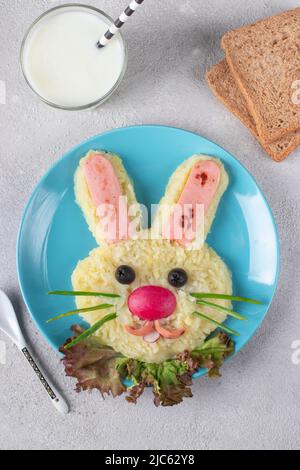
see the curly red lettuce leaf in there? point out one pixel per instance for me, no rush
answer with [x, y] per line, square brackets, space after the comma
[93, 365]
[100, 367]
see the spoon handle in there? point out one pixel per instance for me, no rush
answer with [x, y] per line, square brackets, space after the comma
[56, 398]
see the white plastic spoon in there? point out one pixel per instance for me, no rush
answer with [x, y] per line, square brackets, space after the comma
[10, 326]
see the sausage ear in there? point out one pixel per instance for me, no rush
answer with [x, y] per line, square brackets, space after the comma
[105, 193]
[188, 208]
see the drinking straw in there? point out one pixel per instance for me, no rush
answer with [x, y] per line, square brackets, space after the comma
[117, 25]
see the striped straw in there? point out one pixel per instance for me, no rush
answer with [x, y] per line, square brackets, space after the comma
[117, 25]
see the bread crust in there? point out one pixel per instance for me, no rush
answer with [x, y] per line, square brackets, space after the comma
[223, 85]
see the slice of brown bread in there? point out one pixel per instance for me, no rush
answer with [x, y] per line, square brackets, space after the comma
[222, 83]
[265, 61]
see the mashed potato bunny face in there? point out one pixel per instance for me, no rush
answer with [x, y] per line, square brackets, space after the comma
[153, 274]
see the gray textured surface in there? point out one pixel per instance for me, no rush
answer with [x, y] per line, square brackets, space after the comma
[256, 404]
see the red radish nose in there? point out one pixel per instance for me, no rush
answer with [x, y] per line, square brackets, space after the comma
[152, 303]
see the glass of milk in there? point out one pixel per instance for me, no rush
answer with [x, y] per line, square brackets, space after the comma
[62, 64]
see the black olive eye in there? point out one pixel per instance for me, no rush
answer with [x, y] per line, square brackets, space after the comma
[178, 277]
[125, 275]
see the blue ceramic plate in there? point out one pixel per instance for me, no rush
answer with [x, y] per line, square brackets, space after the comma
[54, 235]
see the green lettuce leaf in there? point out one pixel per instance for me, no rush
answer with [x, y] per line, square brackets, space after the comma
[167, 380]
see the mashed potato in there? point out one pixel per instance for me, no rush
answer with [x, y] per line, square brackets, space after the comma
[152, 261]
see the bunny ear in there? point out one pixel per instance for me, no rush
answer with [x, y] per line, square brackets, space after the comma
[187, 211]
[105, 193]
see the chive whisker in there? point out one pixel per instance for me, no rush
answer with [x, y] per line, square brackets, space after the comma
[229, 312]
[214, 322]
[92, 330]
[225, 297]
[79, 310]
[84, 294]
[211, 350]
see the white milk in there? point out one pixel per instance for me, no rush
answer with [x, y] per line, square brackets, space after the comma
[63, 64]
